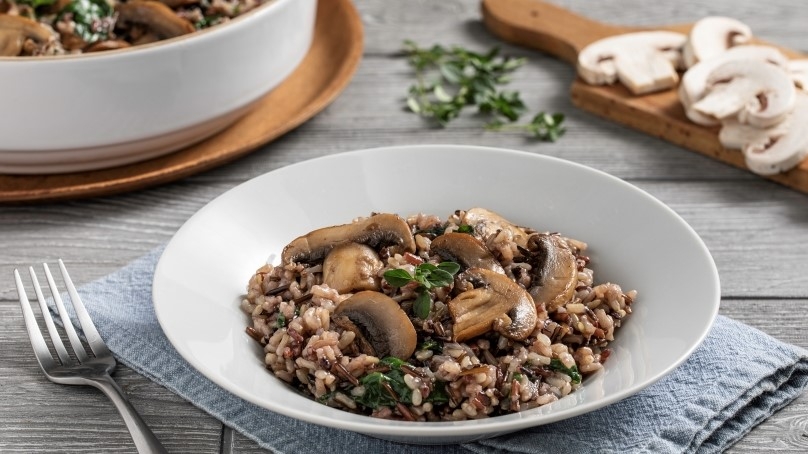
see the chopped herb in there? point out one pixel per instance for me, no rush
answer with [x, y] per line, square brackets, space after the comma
[208, 21]
[557, 365]
[438, 395]
[36, 3]
[544, 126]
[428, 276]
[517, 376]
[423, 305]
[280, 322]
[326, 397]
[392, 361]
[465, 228]
[449, 79]
[88, 17]
[431, 344]
[376, 395]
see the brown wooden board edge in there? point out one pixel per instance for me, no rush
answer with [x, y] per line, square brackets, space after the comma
[609, 102]
[106, 182]
[566, 33]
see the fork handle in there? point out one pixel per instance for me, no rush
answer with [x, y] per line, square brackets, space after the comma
[144, 438]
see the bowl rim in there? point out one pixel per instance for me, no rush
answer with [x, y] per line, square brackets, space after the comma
[479, 428]
[268, 7]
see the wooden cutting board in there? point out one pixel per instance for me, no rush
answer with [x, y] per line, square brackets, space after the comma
[563, 34]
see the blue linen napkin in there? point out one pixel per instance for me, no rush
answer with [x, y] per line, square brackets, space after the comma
[705, 405]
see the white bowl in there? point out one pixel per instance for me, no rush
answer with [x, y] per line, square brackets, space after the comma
[81, 112]
[634, 240]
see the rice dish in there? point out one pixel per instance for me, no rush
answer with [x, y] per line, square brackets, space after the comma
[430, 319]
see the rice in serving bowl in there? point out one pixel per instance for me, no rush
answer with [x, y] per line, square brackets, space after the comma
[452, 373]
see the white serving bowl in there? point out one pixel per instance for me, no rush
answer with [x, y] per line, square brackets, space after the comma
[83, 112]
[634, 240]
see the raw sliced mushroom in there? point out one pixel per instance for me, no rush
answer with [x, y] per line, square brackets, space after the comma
[496, 303]
[798, 69]
[757, 94]
[159, 20]
[15, 31]
[643, 61]
[487, 223]
[555, 271]
[376, 231]
[381, 327]
[694, 80]
[466, 250]
[771, 150]
[352, 266]
[713, 35]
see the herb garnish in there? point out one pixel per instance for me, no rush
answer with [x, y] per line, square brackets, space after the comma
[428, 276]
[36, 3]
[431, 344]
[280, 322]
[465, 228]
[466, 78]
[544, 126]
[88, 16]
[556, 364]
[376, 394]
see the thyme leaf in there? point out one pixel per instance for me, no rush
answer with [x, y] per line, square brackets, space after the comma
[449, 79]
[544, 126]
[428, 276]
[557, 365]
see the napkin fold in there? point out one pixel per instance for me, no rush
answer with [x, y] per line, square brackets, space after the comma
[737, 378]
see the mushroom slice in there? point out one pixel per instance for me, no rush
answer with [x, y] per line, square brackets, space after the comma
[758, 94]
[555, 273]
[109, 44]
[157, 18]
[694, 80]
[176, 4]
[376, 231]
[713, 35]
[16, 30]
[799, 73]
[499, 304]
[771, 150]
[466, 250]
[352, 266]
[380, 325]
[643, 61]
[487, 223]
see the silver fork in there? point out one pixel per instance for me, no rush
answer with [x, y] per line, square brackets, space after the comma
[88, 370]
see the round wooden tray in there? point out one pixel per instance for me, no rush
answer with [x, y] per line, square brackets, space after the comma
[328, 67]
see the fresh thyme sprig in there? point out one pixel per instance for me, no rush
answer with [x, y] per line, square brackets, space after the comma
[427, 276]
[544, 126]
[451, 79]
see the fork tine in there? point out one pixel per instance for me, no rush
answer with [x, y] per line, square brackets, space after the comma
[43, 355]
[81, 354]
[54, 334]
[97, 344]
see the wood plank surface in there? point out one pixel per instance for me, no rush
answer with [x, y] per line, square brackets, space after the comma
[756, 230]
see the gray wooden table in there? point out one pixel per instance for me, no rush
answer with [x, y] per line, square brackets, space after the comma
[756, 230]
